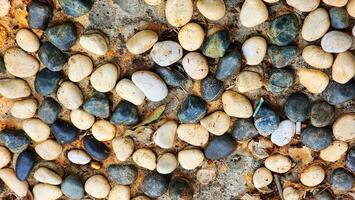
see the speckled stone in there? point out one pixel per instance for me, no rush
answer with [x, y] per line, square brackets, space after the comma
[62, 36]
[211, 88]
[98, 105]
[76, 8]
[284, 29]
[171, 76]
[192, 109]
[337, 93]
[341, 180]
[317, 138]
[297, 107]
[122, 174]
[322, 114]
[280, 80]
[155, 185]
[339, 18]
[229, 65]
[64, 132]
[266, 121]
[47, 82]
[49, 110]
[15, 140]
[220, 147]
[243, 129]
[39, 14]
[52, 57]
[96, 149]
[215, 45]
[282, 56]
[72, 187]
[24, 164]
[125, 113]
[180, 188]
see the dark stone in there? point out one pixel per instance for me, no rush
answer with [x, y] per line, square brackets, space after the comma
[322, 114]
[63, 36]
[2, 186]
[216, 45]
[350, 159]
[64, 132]
[243, 129]
[211, 88]
[282, 56]
[337, 93]
[155, 185]
[339, 18]
[324, 195]
[72, 187]
[122, 174]
[171, 76]
[52, 57]
[192, 109]
[49, 110]
[15, 140]
[2, 65]
[266, 121]
[229, 65]
[96, 149]
[98, 105]
[317, 138]
[180, 189]
[24, 164]
[220, 147]
[283, 29]
[341, 180]
[39, 14]
[297, 107]
[125, 113]
[75, 8]
[280, 80]
[46, 82]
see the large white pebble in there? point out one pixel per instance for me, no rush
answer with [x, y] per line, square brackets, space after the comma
[24, 109]
[19, 63]
[104, 78]
[336, 42]
[304, 5]
[216, 123]
[123, 147]
[284, 133]
[27, 40]
[151, 85]
[5, 156]
[278, 163]
[178, 12]
[343, 127]
[44, 191]
[254, 50]
[336, 3]
[236, 105]
[128, 91]
[49, 150]
[211, 9]
[45, 175]
[248, 81]
[262, 177]
[190, 158]
[120, 192]
[350, 7]
[14, 88]
[315, 25]
[316, 57]
[79, 67]
[194, 134]
[97, 186]
[164, 136]
[312, 176]
[81, 119]
[94, 43]
[70, 95]
[8, 176]
[253, 13]
[103, 130]
[195, 65]
[290, 193]
[37, 130]
[166, 53]
[141, 41]
[334, 152]
[343, 69]
[315, 81]
[167, 163]
[5, 7]
[191, 36]
[145, 158]
[78, 157]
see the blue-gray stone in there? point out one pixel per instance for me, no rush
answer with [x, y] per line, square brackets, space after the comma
[280, 80]
[297, 107]
[322, 114]
[211, 88]
[122, 174]
[350, 159]
[266, 121]
[98, 105]
[337, 93]
[220, 147]
[155, 185]
[39, 14]
[96, 149]
[324, 195]
[52, 57]
[282, 56]
[341, 180]
[317, 138]
[192, 109]
[63, 36]
[243, 129]
[46, 82]
[49, 110]
[216, 45]
[15, 140]
[180, 189]
[171, 76]
[229, 65]
[339, 18]
[125, 113]
[72, 187]
[24, 164]
[64, 132]
[283, 29]
[75, 8]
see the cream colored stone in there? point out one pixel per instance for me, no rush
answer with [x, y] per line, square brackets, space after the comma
[8, 176]
[164, 136]
[153, 87]
[254, 50]
[97, 186]
[336, 42]
[334, 152]
[5, 156]
[343, 127]
[19, 63]
[194, 134]
[128, 91]
[350, 7]
[236, 105]
[211, 9]
[70, 95]
[81, 119]
[103, 130]
[290, 193]
[45, 175]
[315, 25]
[262, 177]
[24, 109]
[44, 191]
[178, 12]
[195, 65]
[104, 78]
[141, 41]
[167, 163]
[79, 67]
[27, 40]
[5, 7]
[145, 158]
[278, 163]
[216, 123]
[312, 176]
[191, 36]
[343, 69]
[336, 3]
[120, 192]
[94, 43]
[316, 57]
[166, 53]
[14, 88]
[153, 2]
[248, 81]
[253, 13]
[304, 5]
[49, 150]
[123, 147]
[315, 81]
[190, 158]
[37, 130]
[78, 157]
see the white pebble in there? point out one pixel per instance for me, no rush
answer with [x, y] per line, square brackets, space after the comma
[336, 3]
[4, 8]
[336, 42]
[166, 53]
[254, 50]
[128, 91]
[316, 57]
[145, 158]
[104, 78]
[343, 69]
[49, 150]
[5, 156]
[19, 63]
[312, 176]
[103, 130]
[216, 123]
[167, 163]
[14, 88]
[24, 109]
[141, 41]
[343, 127]
[151, 85]
[253, 13]
[315, 81]
[278, 163]
[284, 133]
[304, 5]
[195, 65]
[27, 40]
[334, 152]
[290, 193]
[350, 7]
[236, 105]
[164, 136]
[8, 176]
[262, 177]
[211, 9]
[37, 130]
[79, 67]
[97, 186]
[315, 25]
[94, 43]
[44, 191]
[248, 81]
[191, 36]
[81, 119]
[120, 192]
[78, 157]
[190, 158]
[178, 12]
[70, 95]
[123, 147]
[45, 175]
[194, 134]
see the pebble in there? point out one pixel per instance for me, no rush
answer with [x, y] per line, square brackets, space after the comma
[317, 138]
[337, 93]
[336, 3]
[49, 150]
[192, 109]
[220, 147]
[24, 164]
[27, 40]
[164, 136]
[284, 29]
[194, 134]
[166, 53]
[78, 157]
[5, 158]
[63, 36]
[284, 133]
[120, 192]
[260, 147]
[339, 18]
[325, 194]
[307, 78]
[97, 186]
[206, 175]
[75, 8]
[98, 105]
[229, 65]
[45, 175]
[350, 159]
[243, 129]
[343, 69]
[141, 42]
[350, 7]
[322, 114]
[70, 95]
[122, 174]
[145, 158]
[262, 177]
[343, 127]
[167, 163]
[46, 82]
[195, 65]
[291, 193]
[180, 188]
[211, 88]
[49, 110]
[79, 67]
[171, 76]
[103, 130]
[104, 78]
[96, 149]
[128, 91]
[151, 85]
[205, 7]
[341, 180]
[64, 132]
[81, 119]
[42, 191]
[254, 50]
[312, 176]
[216, 45]
[278, 163]
[282, 56]
[24, 109]
[39, 14]
[5, 7]
[336, 42]
[280, 80]
[190, 158]
[178, 12]
[72, 187]
[216, 123]
[297, 107]
[52, 57]
[19, 63]
[125, 113]
[334, 152]
[123, 147]
[155, 185]
[253, 13]
[15, 140]
[94, 43]
[317, 57]
[304, 5]
[191, 36]
[37, 130]
[248, 81]
[266, 121]
[8, 175]
[153, 2]
[236, 105]
[315, 25]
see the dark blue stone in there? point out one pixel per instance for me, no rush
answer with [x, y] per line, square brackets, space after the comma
[75, 8]
[63, 36]
[324, 195]
[220, 147]
[341, 180]
[280, 80]
[243, 129]
[46, 82]
[24, 164]
[339, 18]
[98, 105]
[125, 113]
[122, 174]
[229, 65]
[266, 121]
[2, 65]
[350, 159]
[39, 14]
[64, 132]
[282, 56]
[96, 149]
[211, 88]
[337, 93]
[297, 107]
[52, 57]
[284, 29]
[317, 138]
[216, 45]
[72, 187]
[192, 109]
[155, 185]
[180, 189]
[15, 140]
[171, 76]
[322, 114]
[49, 110]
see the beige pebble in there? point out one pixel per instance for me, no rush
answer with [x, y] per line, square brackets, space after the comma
[141, 41]
[206, 175]
[262, 177]
[164, 136]
[166, 53]
[350, 7]
[153, 87]
[123, 147]
[24, 109]
[104, 78]
[316, 57]
[315, 25]
[301, 154]
[120, 192]
[19, 63]
[167, 163]
[254, 50]
[45, 175]
[8, 176]
[248, 81]
[44, 191]
[236, 105]
[312, 176]
[37, 130]
[49, 150]
[253, 13]
[190, 158]
[290, 193]
[191, 36]
[14, 88]
[178, 12]
[211, 9]
[336, 42]
[334, 152]
[94, 43]
[79, 67]
[70, 95]
[195, 65]
[145, 158]
[27, 40]
[103, 130]
[315, 81]
[153, 2]
[5, 156]
[5, 7]
[304, 5]
[81, 119]
[336, 3]
[97, 186]
[278, 163]
[271, 1]
[343, 69]
[78, 157]
[343, 127]
[194, 134]
[128, 91]
[216, 123]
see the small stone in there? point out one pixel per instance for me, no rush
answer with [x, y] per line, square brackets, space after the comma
[125, 113]
[315, 25]
[27, 40]
[122, 174]
[297, 107]
[5, 7]
[260, 147]
[236, 105]
[341, 180]
[302, 154]
[195, 65]
[42, 191]
[98, 105]
[266, 121]
[155, 185]
[178, 12]
[96, 149]
[94, 43]
[254, 49]
[307, 78]
[243, 129]
[229, 65]
[180, 188]
[79, 67]
[336, 3]
[339, 18]
[278, 163]
[72, 187]
[303, 6]
[317, 138]
[5, 157]
[350, 7]
[337, 93]
[194, 134]
[123, 147]
[78, 157]
[343, 127]
[284, 29]
[104, 78]
[282, 56]
[37, 130]
[350, 159]
[343, 69]
[45, 175]
[248, 81]
[167, 163]
[290, 193]
[317, 57]
[70, 95]
[20, 188]
[253, 13]
[334, 152]
[166, 53]
[141, 41]
[120, 192]
[262, 177]
[128, 91]
[19, 63]
[191, 36]
[284, 133]
[322, 114]
[220, 147]
[336, 42]
[52, 57]
[324, 194]
[81, 119]
[24, 109]
[192, 109]
[103, 130]
[206, 6]
[171, 76]
[145, 158]
[151, 85]
[164, 136]
[47, 82]
[24, 164]
[97, 186]
[63, 36]
[39, 14]
[280, 80]
[49, 150]
[64, 132]
[190, 158]
[206, 175]
[15, 140]
[75, 8]
[312, 176]
[211, 88]
[216, 123]
[153, 2]
[49, 110]
[216, 45]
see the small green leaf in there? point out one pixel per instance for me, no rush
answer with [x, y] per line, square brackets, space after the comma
[152, 117]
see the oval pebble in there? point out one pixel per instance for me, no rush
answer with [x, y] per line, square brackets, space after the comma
[78, 157]
[284, 29]
[254, 50]
[24, 164]
[317, 138]
[52, 57]
[104, 78]
[229, 65]
[42, 191]
[63, 36]
[216, 45]
[64, 132]
[127, 90]
[192, 109]
[70, 95]
[37, 130]
[98, 105]
[236, 105]
[297, 107]
[191, 36]
[47, 82]
[94, 43]
[334, 152]
[49, 150]
[141, 41]
[27, 40]
[151, 85]
[97, 186]
[190, 158]
[103, 130]
[178, 12]
[248, 81]
[194, 134]
[278, 163]
[312, 176]
[336, 42]
[343, 127]
[253, 13]
[180, 188]
[72, 187]
[304, 5]
[5, 157]
[167, 163]
[262, 177]
[343, 69]
[49, 110]
[15, 140]
[125, 113]
[205, 7]
[315, 25]
[307, 78]
[220, 147]
[79, 67]
[291, 193]
[211, 88]
[166, 53]
[81, 119]
[322, 114]
[96, 149]
[337, 93]
[145, 158]
[45, 175]
[243, 129]
[171, 76]
[316, 57]
[123, 147]
[216, 123]
[122, 174]
[120, 192]
[282, 56]
[5, 7]
[350, 7]
[155, 185]
[280, 80]
[164, 136]
[20, 188]
[339, 18]
[341, 180]
[19, 63]
[284, 133]
[24, 109]
[195, 65]
[39, 14]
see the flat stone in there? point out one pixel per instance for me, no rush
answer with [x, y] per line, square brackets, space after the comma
[343, 69]
[211, 88]
[205, 7]
[350, 159]
[254, 49]
[171, 76]
[278, 163]
[103, 130]
[341, 180]
[5, 158]
[75, 8]
[337, 93]
[284, 29]
[304, 5]
[322, 114]
[49, 150]
[15, 140]
[248, 81]
[37, 130]
[291, 194]
[334, 152]
[104, 78]
[280, 80]
[315, 81]
[194, 134]
[120, 192]
[262, 177]
[282, 56]
[70, 95]
[8, 175]
[122, 174]
[98, 105]
[81, 119]
[25, 67]
[335, 3]
[180, 188]
[297, 107]
[339, 18]
[195, 65]
[343, 127]
[5, 7]
[316, 57]
[284, 133]
[312, 176]
[44, 191]
[266, 121]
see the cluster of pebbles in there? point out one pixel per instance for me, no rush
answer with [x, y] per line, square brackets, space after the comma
[316, 126]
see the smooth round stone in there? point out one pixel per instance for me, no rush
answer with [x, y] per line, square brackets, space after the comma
[337, 93]
[52, 57]
[27, 40]
[343, 69]
[24, 109]
[229, 65]
[236, 105]
[220, 147]
[180, 188]
[297, 107]
[39, 14]
[350, 159]
[122, 174]
[262, 177]
[94, 43]
[151, 85]
[280, 80]
[339, 18]
[211, 88]
[64, 132]
[96, 149]
[5, 157]
[207, 6]
[97, 186]
[63, 36]
[254, 50]
[81, 119]
[49, 110]
[336, 3]
[125, 113]
[49, 150]
[15, 140]
[334, 152]
[336, 42]
[315, 81]
[75, 8]
[19, 63]
[166, 53]
[79, 67]
[153, 2]
[128, 91]
[98, 105]
[78, 157]
[216, 123]
[45, 175]
[42, 191]
[243, 129]
[216, 45]
[324, 195]
[120, 192]
[155, 185]
[178, 12]
[312, 176]
[47, 82]
[164, 136]
[322, 114]
[248, 81]
[284, 29]
[37, 130]
[72, 187]
[192, 109]
[266, 121]
[253, 13]
[104, 78]
[191, 36]
[24, 164]
[284, 133]
[315, 25]
[194, 134]
[341, 180]
[171, 76]
[167, 163]
[317, 138]
[195, 65]
[123, 147]
[145, 158]
[190, 158]
[278, 163]
[70, 95]
[290, 193]
[343, 127]
[5, 7]
[282, 56]
[317, 57]
[350, 7]
[20, 188]
[103, 130]
[141, 41]
[304, 5]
